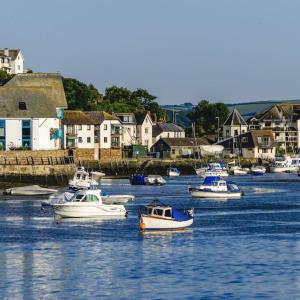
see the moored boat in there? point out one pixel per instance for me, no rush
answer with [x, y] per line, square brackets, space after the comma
[215, 187]
[237, 170]
[146, 180]
[84, 180]
[173, 172]
[285, 165]
[213, 169]
[30, 190]
[258, 170]
[87, 204]
[157, 216]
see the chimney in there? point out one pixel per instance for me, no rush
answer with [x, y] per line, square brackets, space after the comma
[6, 51]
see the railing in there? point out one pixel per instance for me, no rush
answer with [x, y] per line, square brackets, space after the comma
[29, 161]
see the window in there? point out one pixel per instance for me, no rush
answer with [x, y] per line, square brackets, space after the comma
[22, 105]
[88, 140]
[265, 150]
[88, 127]
[2, 134]
[236, 132]
[146, 142]
[79, 127]
[105, 139]
[80, 139]
[26, 133]
[244, 139]
[168, 213]
[227, 132]
[105, 126]
[19, 68]
[173, 151]
[267, 124]
[158, 212]
[146, 130]
[90, 198]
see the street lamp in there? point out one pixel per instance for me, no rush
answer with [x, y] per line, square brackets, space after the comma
[218, 127]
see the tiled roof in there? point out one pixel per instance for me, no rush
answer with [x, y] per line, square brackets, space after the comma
[72, 117]
[97, 117]
[140, 117]
[235, 119]
[13, 53]
[181, 142]
[160, 127]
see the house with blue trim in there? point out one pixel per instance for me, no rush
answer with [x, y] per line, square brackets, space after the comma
[31, 110]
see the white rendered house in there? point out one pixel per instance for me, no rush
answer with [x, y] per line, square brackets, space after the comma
[31, 111]
[234, 125]
[129, 132]
[11, 61]
[144, 129]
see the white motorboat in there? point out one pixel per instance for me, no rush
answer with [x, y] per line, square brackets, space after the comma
[87, 204]
[215, 187]
[83, 180]
[158, 216]
[154, 180]
[285, 165]
[29, 190]
[173, 172]
[213, 169]
[106, 198]
[237, 170]
[258, 170]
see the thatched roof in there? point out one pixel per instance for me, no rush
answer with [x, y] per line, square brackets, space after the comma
[42, 94]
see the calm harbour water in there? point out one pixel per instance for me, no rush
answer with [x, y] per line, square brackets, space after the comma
[236, 249]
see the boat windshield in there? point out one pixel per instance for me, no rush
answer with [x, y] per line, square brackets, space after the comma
[90, 198]
[168, 213]
[78, 176]
[77, 198]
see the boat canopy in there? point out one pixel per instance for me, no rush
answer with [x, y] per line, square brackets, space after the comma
[179, 215]
[210, 179]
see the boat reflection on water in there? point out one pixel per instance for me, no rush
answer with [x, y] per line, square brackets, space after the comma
[162, 233]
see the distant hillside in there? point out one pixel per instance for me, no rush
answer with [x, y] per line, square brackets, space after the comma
[247, 109]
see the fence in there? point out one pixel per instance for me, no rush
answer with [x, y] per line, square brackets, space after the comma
[30, 160]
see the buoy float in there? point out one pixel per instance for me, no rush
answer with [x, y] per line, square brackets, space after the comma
[142, 226]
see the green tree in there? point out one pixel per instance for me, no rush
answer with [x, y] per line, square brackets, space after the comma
[205, 116]
[81, 96]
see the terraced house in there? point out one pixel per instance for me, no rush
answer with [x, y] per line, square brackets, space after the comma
[11, 61]
[31, 109]
[96, 133]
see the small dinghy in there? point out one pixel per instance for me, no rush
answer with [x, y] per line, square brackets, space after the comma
[87, 204]
[173, 172]
[158, 216]
[146, 180]
[215, 187]
[258, 170]
[30, 190]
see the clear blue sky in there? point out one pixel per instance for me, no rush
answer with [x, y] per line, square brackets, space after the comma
[179, 50]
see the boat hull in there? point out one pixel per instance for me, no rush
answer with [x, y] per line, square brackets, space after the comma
[88, 210]
[154, 223]
[211, 173]
[33, 190]
[196, 193]
[173, 174]
[117, 199]
[284, 169]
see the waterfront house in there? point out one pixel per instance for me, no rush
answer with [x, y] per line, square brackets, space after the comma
[78, 130]
[178, 147]
[284, 122]
[144, 129]
[31, 109]
[166, 130]
[11, 61]
[107, 135]
[96, 132]
[251, 144]
[128, 123]
[234, 125]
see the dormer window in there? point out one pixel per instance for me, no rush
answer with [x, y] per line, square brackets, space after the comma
[22, 105]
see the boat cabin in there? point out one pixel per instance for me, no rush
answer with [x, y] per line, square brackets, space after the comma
[158, 211]
[87, 196]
